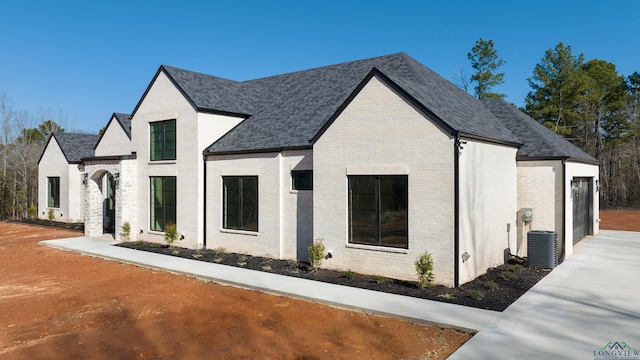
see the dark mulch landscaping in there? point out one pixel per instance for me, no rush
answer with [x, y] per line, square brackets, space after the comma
[57, 224]
[512, 280]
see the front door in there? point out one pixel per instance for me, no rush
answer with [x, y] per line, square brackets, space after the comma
[109, 217]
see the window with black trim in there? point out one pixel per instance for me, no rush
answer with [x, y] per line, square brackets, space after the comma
[378, 210]
[163, 201]
[163, 140]
[53, 192]
[302, 180]
[240, 202]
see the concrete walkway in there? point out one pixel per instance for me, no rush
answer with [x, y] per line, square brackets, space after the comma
[573, 313]
[591, 299]
[415, 310]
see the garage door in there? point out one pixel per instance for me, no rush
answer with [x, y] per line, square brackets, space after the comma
[582, 208]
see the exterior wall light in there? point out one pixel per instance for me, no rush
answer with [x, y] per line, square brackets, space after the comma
[465, 256]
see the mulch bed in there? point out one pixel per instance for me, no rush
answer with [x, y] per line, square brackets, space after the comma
[512, 280]
[56, 224]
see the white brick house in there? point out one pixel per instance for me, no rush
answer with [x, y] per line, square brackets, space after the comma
[380, 158]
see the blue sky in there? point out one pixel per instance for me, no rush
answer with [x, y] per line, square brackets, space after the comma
[88, 59]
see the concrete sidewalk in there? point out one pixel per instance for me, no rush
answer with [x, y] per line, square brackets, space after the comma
[403, 307]
[591, 299]
[587, 302]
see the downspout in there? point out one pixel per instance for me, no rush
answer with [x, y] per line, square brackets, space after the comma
[456, 225]
[204, 202]
[564, 211]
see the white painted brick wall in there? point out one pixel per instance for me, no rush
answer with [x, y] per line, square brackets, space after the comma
[488, 202]
[380, 134]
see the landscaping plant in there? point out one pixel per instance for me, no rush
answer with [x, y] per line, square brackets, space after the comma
[51, 215]
[125, 231]
[316, 254]
[170, 234]
[424, 269]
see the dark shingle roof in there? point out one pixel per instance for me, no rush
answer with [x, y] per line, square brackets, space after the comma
[76, 146]
[287, 111]
[125, 121]
[538, 141]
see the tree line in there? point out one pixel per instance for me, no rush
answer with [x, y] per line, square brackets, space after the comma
[586, 101]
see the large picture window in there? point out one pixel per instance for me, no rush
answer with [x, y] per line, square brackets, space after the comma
[240, 202]
[53, 192]
[163, 202]
[163, 140]
[378, 210]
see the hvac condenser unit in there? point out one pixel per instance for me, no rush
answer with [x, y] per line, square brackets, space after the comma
[542, 248]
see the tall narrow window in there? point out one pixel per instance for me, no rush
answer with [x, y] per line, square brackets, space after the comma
[163, 140]
[240, 202]
[378, 210]
[53, 192]
[163, 202]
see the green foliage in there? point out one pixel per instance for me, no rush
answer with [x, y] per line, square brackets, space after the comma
[266, 268]
[349, 274]
[379, 279]
[170, 234]
[125, 231]
[317, 252]
[424, 269]
[506, 275]
[447, 296]
[484, 59]
[490, 285]
[51, 214]
[32, 212]
[516, 268]
[475, 294]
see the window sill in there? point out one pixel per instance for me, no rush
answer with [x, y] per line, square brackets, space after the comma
[161, 162]
[377, 248]
[240, 232]
[155, 232]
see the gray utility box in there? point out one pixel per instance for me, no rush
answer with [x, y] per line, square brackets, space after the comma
[542, 249]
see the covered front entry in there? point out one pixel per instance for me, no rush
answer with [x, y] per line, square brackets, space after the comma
[582, 194]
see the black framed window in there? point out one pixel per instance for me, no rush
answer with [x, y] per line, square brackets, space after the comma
[302, 180]
[240, 202]
[378, 210]
[163, 202]
[163, 140]
[53, 192]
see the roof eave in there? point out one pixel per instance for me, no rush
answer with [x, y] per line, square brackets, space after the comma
[470, 136]
[255, 151]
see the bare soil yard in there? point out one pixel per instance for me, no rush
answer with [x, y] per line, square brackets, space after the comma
[627, 220]
[62, 305]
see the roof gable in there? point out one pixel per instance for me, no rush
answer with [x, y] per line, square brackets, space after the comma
[74, 146]
[538, 141]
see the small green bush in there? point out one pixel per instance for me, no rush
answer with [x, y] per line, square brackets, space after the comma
[506, 275]
[316, 254]
[424, 269]
[516, 268]
[32, 212]
[475, 294]
[125, 231]
[266, 268]
[490, 285]
[348, 274]
[447, 296]
[170, 234]
[379, 279]
[51, 215]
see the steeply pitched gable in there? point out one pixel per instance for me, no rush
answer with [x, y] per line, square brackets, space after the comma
[125, 122]
[538, 141]
[74, 146]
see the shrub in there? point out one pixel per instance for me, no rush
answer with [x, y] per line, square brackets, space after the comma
[170, 234]
[125, 231]
[349, 274]
[316, 254]
[424, 269]
[379, 279]
[517, 268]
[51, 215]
[475, 294]
[32, 212]
[506, 275]
[490, 285]
[447, 296]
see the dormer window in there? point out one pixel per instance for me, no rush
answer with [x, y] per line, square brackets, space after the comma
[163, 140]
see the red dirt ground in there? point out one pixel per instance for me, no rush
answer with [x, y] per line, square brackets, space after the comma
[628, 220]
[62, 305]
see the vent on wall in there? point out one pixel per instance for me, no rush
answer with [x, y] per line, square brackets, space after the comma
[542, 249]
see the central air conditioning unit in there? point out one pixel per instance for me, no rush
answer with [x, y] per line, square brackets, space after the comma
[542, 249]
